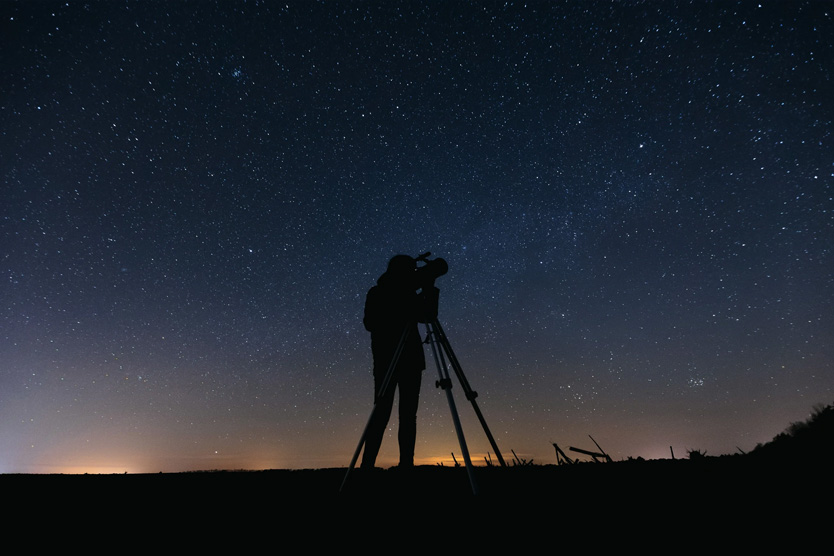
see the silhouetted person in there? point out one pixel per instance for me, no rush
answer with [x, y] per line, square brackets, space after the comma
[391, 307]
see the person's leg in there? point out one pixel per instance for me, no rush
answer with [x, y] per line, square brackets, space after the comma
[409, 387]
[379, 422]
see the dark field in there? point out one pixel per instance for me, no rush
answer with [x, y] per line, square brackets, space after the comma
[670, 483]
[731, 502]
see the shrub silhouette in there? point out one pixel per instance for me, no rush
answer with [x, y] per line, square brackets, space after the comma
[805, 439]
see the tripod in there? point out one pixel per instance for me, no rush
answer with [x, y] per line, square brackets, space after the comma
[444, 356]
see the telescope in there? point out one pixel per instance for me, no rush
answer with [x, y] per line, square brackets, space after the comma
[431, 270]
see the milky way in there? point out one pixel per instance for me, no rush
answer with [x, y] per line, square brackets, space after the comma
[634, 199]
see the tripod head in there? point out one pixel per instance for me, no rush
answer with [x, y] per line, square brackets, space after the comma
[431, 270]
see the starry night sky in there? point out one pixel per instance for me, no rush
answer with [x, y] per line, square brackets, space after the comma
[634, 199]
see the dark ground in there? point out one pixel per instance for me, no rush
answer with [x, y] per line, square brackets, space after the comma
[777, 497]
[731, 502]
[584, 486]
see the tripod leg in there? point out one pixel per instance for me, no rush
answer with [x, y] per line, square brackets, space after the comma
[470, 394]
[446, 384]
[386, 383]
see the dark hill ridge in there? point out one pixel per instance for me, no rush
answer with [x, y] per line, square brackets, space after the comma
[807, 440]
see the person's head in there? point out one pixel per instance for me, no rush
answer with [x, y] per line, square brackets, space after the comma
[401, 265]
[401, 269]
